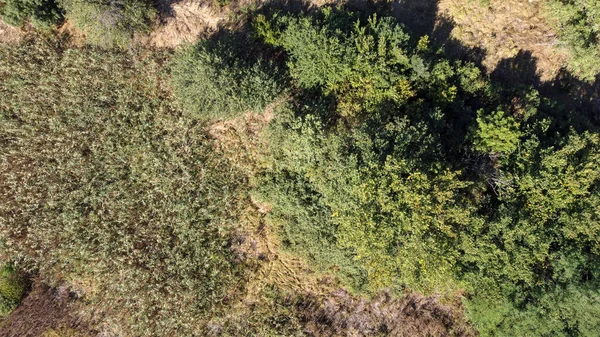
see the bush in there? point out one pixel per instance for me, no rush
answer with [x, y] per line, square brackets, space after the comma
[40, 13]
[496, 133]
[385, 172]
[137, 205]
[12, 288]
[110, 23]
[578, 25]
[221, 79]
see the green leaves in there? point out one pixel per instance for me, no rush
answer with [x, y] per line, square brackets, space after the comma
[40, 13]
[496, 133]
[212, 80]
[405, 225]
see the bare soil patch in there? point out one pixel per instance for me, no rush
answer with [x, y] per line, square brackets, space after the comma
[44, 311]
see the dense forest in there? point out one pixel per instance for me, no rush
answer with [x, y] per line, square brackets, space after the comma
[345, 168]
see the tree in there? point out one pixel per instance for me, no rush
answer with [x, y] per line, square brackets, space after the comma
[496, 133]
[40, 13]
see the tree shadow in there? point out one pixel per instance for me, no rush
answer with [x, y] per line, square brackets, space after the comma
[165, 8]
[516, 71]
[570, 101]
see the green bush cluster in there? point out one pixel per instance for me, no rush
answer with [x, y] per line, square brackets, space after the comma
[388, 172]
[12, 288]
[217, 79]
[110, 23]
[113, 189]
[578, 25]
[40, 13]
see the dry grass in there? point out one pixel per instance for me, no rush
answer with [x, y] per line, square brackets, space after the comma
[241, 141]
[10, 34]
[75, 35]
[185, 21]
[503, 29]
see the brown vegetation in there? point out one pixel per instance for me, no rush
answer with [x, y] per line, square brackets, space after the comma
[44, 311]
[184, 21]
[340, 314]
[503, 28]
[10, 34]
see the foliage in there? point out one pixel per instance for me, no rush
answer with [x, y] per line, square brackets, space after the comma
[578, 23]
[404, 225]
[363, 65]
[137, 205]
[391, 176]
[41, 13]
[354, 191]
[12, 288]
[215, 79]
[391, 166]
[308, 174]
[110, 23]
[496, 133]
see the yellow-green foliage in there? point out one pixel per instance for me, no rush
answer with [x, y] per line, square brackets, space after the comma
[496, 133]
[404, 226]
[40, 13]
[12, 288]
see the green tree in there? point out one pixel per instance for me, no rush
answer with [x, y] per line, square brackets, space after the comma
[40, 13]
[496, 133]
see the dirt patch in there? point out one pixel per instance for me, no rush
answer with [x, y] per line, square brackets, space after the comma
[75, 35]
[503, 29]
[184, 21]
[10, 34]
[341, 314]
[43, 311]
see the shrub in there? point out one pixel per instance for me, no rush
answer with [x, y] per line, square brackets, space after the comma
[222, 79]
[41, 13]
[110, 23]
[137, 205]
[578, 25]
[496, 133]
[382, 173]
[12, 288]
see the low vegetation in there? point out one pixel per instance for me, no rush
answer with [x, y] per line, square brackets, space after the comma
[137, 205]
[12, 288]
[422, 195]
[578, 24]
[40, 13]
[110, 23]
